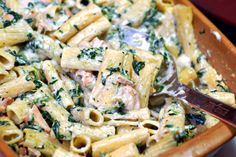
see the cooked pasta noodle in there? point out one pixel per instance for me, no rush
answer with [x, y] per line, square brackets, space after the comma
[77, 77]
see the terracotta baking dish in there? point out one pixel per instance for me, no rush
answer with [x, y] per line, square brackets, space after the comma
[222, 55]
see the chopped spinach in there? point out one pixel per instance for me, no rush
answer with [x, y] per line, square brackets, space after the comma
[76, 92]
[110, 12]
[49, 16]
[56, 130]
[90, 53]
[7, 10]
[181, 137]
[120, 108]
[172, 112]
[54, 80]
[14, 147]
[41, 100]
[71, 119]
[113, 70]
[20, 58]
[201, 57]
[30, 5]
[152, 18]
[196, 118]
[155, 42]
[224, 89]
[104, 79]
[57, 95]
[48, 118]
[38, 84]
[124, 73]
[76, 27]
[34, 127]
[201, 72]
[30, 35]
[4, 123]
[137, 66]
[169, 126]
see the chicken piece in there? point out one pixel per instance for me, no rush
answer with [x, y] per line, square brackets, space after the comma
[35, 114]
[4, 102]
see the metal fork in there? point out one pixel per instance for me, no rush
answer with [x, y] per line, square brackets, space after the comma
[172, 86]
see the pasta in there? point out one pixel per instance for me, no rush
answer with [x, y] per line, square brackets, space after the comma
[76, 77]
[9, 132]
[126, 151]
[80, 144]
[114, 142]
[87, 34]
[18, 33]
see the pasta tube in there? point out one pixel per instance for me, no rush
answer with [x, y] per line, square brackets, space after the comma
[136, 13]
[85, 59]
[15, 34]
[80, 144]
[151, 125]
[9, 89]
[18, 110]
[113, 142]
[9, 132]
[88, 116]
[62, 152]
[161, 146]
[142, 114]
[57, 85]
[94, 29]
[7, 76]
[129, 150]
[78, 22]
[6, 59]
[41, 141]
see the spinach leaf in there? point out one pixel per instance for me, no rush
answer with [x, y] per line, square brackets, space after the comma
[152, 18]
[7, 10]
[4, 123]
[196, 118]
[48, 118]
[120, 108]
[56, 130]
[137, 66]
[90, 53]
[110, 12]
[34, 127]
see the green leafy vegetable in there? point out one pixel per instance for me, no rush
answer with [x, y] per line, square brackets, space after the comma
[137, 66]
[41, 100]
[57, 95]
[4, 123]
[48, 118]
[120, 108]
[110, 12]
[90, 53]
[54, 80]
[152, 18]
[7, 10]
[56, 130]
[34, 127]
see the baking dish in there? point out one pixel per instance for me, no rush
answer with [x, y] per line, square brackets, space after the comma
[221, 54]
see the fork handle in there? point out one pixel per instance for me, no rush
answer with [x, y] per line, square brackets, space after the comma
[212, 106]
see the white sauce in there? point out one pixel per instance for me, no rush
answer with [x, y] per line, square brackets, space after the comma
[217, 35]
[183, 61]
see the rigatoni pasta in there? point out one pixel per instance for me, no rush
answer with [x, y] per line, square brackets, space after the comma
[76, 77]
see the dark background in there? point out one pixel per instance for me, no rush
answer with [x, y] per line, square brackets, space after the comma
[217, 9]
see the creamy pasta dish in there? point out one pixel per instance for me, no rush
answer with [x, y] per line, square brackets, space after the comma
[71, 85]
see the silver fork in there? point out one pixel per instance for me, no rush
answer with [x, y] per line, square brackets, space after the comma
[172, 86]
